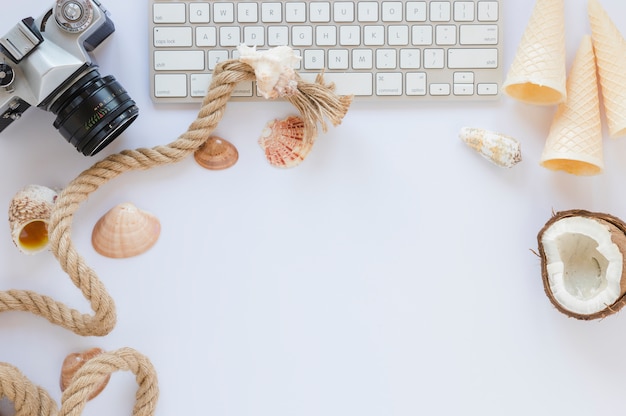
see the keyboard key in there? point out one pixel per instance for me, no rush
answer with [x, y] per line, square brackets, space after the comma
[472, 58]
[343, 12]
[319, 11]
[415, 11]
[478, 35]
[230, 36]
[386, 59]
[367, 11]
[487, 11]
[398, 35]
[487, 89]
[338, 59]
[416, 83]
[463, 89]
[464, 11]
[392, 11]
[223, 12]
[439, 89]
[247, 12]
[170, 85]
[271, 12]
[168, 37]
[439, 11]
[410, 58]
[295, 12]
[169, 13]
[206, 36]
[314, 59]
[199, 12]
[389, 83]
[351, 84]
[178, 60]
[349, 35]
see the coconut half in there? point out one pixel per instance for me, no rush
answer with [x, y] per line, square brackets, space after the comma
[582, 263]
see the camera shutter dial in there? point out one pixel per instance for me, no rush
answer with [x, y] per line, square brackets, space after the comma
[6, 75]
[73, 15]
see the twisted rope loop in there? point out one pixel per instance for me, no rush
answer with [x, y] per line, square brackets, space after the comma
[32, 400]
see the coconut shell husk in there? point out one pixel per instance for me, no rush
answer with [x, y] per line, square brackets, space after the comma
[617, 229]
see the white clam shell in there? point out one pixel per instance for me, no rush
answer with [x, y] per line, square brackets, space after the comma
[502, 150]
[29, 214]
[125, 231]
[273, 68]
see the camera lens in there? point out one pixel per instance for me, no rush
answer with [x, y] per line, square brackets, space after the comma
[93, 111]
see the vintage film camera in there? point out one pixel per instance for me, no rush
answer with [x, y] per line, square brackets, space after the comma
[45, 63]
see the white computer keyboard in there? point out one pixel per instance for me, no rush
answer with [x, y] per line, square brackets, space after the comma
[413, 50]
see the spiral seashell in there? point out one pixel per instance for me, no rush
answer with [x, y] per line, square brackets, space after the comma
[273, 68]
[125, 231]
[73, 362]
[285, 142]
[502, 150]
[216, 154]
[29, 213]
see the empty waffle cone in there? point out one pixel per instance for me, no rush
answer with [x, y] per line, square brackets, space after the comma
[538, 72]
[610, 50]
[574, 144]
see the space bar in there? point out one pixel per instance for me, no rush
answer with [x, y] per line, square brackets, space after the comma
[346, 83]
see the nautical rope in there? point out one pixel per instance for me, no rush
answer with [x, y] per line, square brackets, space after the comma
[31, 400]
[316, 103]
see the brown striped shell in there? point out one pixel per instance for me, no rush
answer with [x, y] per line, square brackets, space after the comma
[216, 154]
[125, 231]
[73, 363]
[285, 142]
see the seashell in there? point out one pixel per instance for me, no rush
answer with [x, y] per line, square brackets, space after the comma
[285, 142]
[216, 154]
[273, 68]
[125, 231]
[504, 151]
[29, 213]
[73, 363]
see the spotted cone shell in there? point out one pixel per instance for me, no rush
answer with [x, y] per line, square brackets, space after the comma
[29, 213]
[285, 142]
[125, 231]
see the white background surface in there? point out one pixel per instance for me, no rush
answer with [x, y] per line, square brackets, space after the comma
[391, 273]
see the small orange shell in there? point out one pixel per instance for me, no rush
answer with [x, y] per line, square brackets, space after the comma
[125, 231]
[73, 363]
[285, 142]
[216, 154]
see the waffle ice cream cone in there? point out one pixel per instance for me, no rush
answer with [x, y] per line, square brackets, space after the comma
[538, 72]
[574, 144]
[610, 50]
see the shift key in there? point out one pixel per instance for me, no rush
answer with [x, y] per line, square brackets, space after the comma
[486, 58]
[178, 60]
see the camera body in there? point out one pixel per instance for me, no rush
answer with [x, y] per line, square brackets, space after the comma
[45, 62]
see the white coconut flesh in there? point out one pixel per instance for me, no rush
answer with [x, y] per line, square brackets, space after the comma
[584, 265]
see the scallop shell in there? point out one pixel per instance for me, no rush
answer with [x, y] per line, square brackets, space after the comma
[216, 154]
[273, 68]
[502, 150]
[285, 142]
[73, 363]
[125, 231]
[29, 213]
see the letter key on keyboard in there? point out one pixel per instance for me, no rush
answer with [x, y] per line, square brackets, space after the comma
[375, 50]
